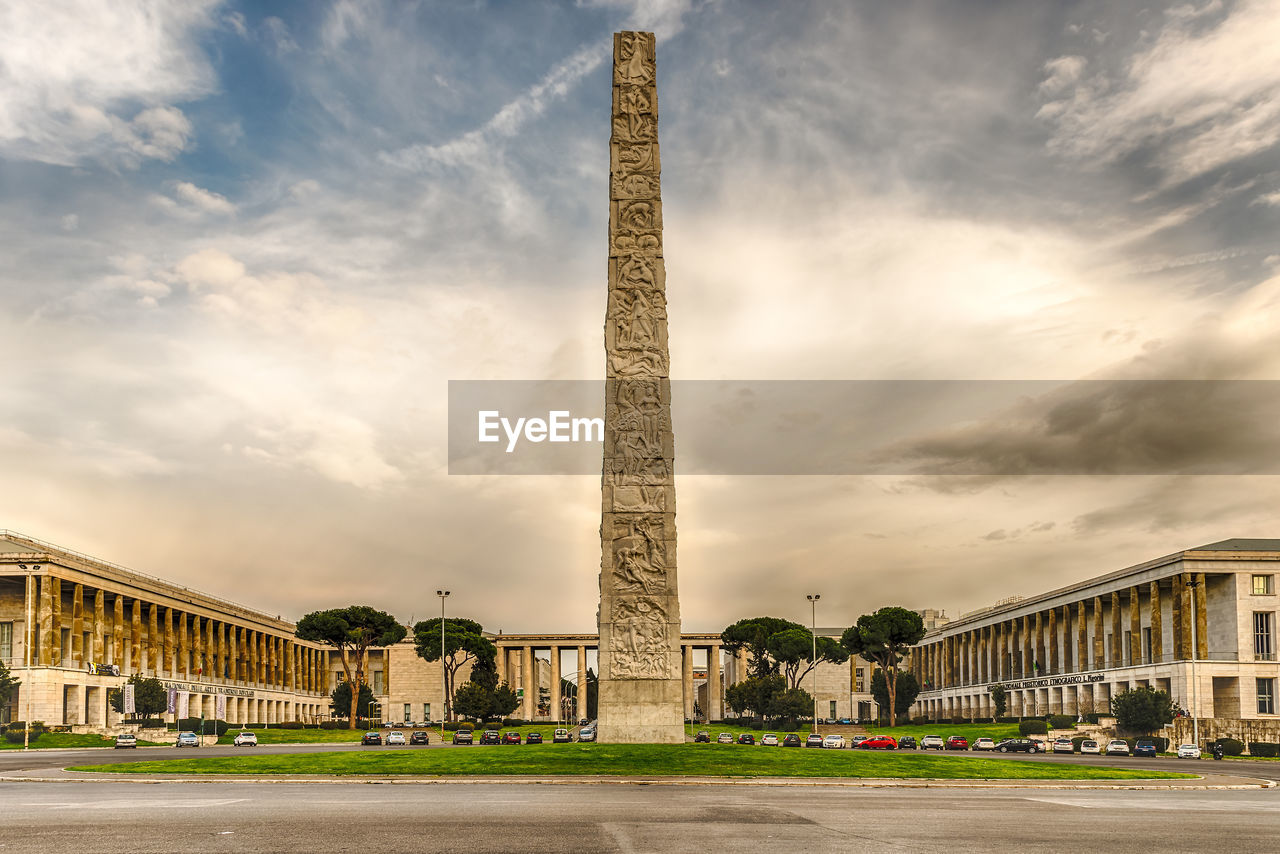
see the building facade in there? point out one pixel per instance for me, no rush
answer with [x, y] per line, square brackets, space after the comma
[1199, 624]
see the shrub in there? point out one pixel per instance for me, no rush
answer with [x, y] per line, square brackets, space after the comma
[1026, 728]
[1231, 746]
[451, 726]
[513, 722]
[1062, 721]
[983, 720]
[16, 736]
[207, 726]
[1008, 720]
[290, 725]
[152, 723]
[333, 725]
[1076, 742]
[1262, 748]
[922, 720]
[1091, 718]
[37, 728]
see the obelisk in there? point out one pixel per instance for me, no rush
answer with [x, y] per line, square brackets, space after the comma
[640, 699]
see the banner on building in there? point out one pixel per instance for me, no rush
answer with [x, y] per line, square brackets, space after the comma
[220, 707]
[184, 703]
[130, 704]
[171, 701]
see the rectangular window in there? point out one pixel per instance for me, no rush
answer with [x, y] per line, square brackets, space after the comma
[1146, 644]
[833, 709]
[1266, 696]
[1263, 585]
[66, 651]
[1263, 648]
[426, 712]
[858, 680]
[408, 713]
[6, 644]
[377, 682]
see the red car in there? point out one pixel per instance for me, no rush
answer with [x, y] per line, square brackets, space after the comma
[511, 738]
[879, 742]
[957, 742]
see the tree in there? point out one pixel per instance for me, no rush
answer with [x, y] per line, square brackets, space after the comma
[907, 690]
[464, 641]
[342, 706]
[351, 631]
[1143, 710]
[8, 684]
[149, 697]
[482, 697]
[792, 648]
[505, 701]
[768, 697]
[1000, 698]
[883, 638]
[753, 635]
[791, 703]
[472, 701]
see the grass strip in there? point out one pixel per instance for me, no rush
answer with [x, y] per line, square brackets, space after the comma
[674, 760]
[64, 740]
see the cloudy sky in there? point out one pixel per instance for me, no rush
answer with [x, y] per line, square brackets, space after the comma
[247, 246]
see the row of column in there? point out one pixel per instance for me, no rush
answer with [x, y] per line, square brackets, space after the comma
[714, 709]
[1058, 640]
[524, 669]
[155, 640]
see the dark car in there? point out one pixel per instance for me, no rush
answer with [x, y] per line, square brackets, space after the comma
[814, 739]
[703, 737]
[420, 737]
[371, 738]
[791, 740]
[491, 736]
[533, 738]
[957, 742]
[907, 742]
[1018, 745]
[462, 736]
[746, 738]
[1145, 747]
[511, 737]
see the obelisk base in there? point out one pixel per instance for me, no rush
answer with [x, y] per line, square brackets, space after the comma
[640, 711]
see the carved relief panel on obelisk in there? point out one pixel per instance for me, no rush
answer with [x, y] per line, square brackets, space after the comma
[640, 686]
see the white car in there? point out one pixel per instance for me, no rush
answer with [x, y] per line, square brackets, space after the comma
[932, 742]
[1090, 746]
[246, 739]
[769, 740]
[833, 741]
[1063, 745]
[1117, 747]
[983, 744]
[395, 737]
[1188, 751]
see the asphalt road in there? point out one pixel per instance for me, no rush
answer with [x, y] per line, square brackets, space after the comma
[74, 818]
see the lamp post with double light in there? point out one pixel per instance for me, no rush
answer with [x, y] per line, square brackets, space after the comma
[444, 674]
[1192, 584]
[813, 630]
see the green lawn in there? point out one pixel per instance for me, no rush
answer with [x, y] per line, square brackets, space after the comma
[332, 736]
[60, 740]
[635, 759]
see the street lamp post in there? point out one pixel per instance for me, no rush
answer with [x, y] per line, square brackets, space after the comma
[1192, 584]
[444, 674]
[26, 649]
[813, 630]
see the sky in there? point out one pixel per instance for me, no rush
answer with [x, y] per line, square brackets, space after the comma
[247, 247]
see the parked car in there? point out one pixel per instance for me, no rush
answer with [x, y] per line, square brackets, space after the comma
[583, 722]
[791, 740]
[878, 742]
[420, 737]
[126, 739]
[703, 737]
[371, 738]
[1019, 745]
[845, 722]
[932, 742]
[533, 738]
[833, 741]
[490, 736]
[561, 736]
[1090, 746]
[1117, 747]
[724, 738]
[813, 739]
[587, 734]
[463, 736]
[511, 737]
[857, 740]
[957, 742]
[1185, 751]
[188, 739]
[1063, 745]
[769, 739]
[983, 744]
[245, 739]
[1145, 747]
[746, 738]
[907, 742]
[395, 737]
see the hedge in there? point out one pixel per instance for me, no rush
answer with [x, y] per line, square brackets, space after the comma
[513, 722]
[1026, 728]
[1079, 740]
[1062, 721]
[37, 727]
[289, 725]
[203, 727]
[16, 736]
[1008, 720]
[334, 725]
[151, 723]
[1231, 746]
[1263, 748]
[453, 726]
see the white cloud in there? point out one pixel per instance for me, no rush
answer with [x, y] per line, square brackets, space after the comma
[199, 200]
[74, 73]
[70, 222]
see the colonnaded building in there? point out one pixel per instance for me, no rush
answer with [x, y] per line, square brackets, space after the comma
[1069, 650]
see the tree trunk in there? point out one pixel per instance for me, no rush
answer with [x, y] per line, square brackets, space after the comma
[892, 685]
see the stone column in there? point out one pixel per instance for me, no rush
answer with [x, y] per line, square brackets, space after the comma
[154, 644]
[715, 708]
[44, 618]
[1135, 626]
[1068, 662]
[135, 637]
[1157, 624]
[1039, 645]
[167, 642]
[1028, 648]
[77, 625]
[1181, 618]
[1082, 635]
[1053, 641]
[500, 664]
[1117, 636]
[99, 625]
[557, 707]
[184, 647]
[233, 652]
[686, 673]
[528, 682]
[1099, 635]
[582, 682]
[1202, 618]
[55, 621]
